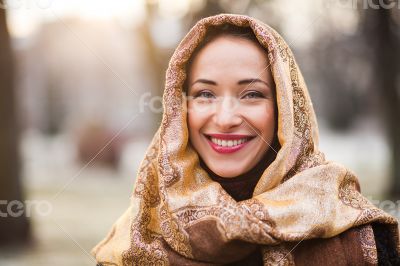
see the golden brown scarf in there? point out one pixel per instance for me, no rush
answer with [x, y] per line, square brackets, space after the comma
[180, 216]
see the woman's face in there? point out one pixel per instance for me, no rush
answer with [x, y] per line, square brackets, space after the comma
[231, 105]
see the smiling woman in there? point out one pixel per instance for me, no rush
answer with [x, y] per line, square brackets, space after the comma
[231, 107]
[234, 175]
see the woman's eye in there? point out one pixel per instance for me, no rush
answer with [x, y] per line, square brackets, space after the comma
[253, 95]
[204, 94]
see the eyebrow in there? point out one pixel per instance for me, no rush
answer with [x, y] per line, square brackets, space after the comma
[249, 81]
[240, 82]
[205, 81]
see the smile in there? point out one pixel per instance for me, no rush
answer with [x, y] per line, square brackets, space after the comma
[227, 143]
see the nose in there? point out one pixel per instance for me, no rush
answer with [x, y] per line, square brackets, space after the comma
[227, 114]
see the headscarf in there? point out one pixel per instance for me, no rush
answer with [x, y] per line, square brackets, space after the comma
[179, 216]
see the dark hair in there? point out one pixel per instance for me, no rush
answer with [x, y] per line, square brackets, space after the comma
[216, 31]
[227, 29]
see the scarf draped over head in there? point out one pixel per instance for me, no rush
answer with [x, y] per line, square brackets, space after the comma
[179, 216]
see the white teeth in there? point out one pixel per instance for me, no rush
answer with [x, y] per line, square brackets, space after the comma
[228, 143]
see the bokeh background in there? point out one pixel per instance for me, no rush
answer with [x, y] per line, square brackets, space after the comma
[80, 99]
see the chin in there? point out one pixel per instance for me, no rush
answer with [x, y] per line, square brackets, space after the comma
[227, 173]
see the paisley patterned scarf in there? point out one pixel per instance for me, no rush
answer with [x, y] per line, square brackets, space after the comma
[179, 216]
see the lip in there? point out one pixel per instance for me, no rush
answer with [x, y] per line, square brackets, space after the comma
[224, 150]
[229, 136]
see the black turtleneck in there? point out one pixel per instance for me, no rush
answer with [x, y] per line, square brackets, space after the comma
[241, 187]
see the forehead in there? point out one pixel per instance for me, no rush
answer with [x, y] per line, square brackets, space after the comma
[229, 54]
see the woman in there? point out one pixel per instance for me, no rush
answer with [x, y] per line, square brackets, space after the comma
[234, 175]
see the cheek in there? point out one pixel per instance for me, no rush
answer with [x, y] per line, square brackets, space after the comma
[192, 125]
[195, 120]
[262, 118]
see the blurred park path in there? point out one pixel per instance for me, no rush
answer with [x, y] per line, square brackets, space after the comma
[84, 203]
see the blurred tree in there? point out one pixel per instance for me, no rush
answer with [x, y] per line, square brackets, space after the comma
[53, 109]
[339, 77]
[12, 229]
[156, 58]
[382, 35]
[210, 8]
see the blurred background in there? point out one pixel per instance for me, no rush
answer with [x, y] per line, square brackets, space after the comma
[80, 99]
